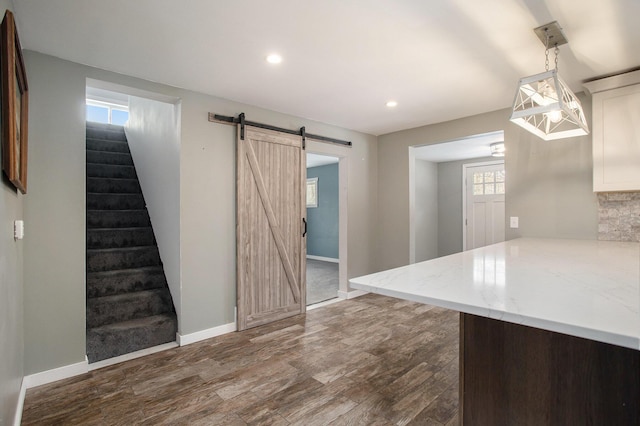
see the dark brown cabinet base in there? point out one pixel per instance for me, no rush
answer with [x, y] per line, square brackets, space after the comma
[517, 375]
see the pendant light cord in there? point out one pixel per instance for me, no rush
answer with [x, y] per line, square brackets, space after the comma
[546, 50]
[556, 52]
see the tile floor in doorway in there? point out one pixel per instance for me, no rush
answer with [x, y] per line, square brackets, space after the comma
[322, 281]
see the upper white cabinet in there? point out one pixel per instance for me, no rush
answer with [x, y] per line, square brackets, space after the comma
[616, 132]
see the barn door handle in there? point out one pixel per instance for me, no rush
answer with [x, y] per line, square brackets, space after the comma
[305, 227]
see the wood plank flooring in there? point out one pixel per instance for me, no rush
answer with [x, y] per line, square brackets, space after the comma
[372, 360]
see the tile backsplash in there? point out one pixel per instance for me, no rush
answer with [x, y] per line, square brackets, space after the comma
[619, 216]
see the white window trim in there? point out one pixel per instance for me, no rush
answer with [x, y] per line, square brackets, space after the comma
[110, 107]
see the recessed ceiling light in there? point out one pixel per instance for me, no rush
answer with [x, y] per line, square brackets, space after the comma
[274, 58]
[392, 104]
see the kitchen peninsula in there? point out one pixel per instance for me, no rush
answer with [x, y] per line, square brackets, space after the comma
[549, 328]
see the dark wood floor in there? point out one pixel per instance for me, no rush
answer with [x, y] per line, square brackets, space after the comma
[366, 361]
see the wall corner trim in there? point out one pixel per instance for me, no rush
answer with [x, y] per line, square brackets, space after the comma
[56, 374]
[351, 294]
[17, 419]
[187, 339]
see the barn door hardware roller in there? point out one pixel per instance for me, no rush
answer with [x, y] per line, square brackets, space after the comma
[300, 132]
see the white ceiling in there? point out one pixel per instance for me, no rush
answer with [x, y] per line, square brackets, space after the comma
[343, 59]
[316, 160]
[477, 146]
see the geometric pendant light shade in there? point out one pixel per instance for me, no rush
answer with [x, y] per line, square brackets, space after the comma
[544, 105]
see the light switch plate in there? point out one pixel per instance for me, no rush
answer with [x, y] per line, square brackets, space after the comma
[513, 221]
[18, 229]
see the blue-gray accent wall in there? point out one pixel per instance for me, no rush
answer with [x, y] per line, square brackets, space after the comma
[322, 228]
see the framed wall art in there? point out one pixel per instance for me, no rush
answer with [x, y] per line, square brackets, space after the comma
[15, 105]
[312, 192]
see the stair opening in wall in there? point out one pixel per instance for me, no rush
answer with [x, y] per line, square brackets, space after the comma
[129, 304]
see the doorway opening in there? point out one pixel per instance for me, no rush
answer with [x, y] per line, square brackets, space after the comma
[323, 228]
[437, 194]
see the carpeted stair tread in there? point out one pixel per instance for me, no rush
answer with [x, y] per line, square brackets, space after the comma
[117, 218]
[127, 306]
[115, 201]
[119, 237]
[122, 258]
[103, 157]
[113, 186]
[108, 145]
[107, 132]
[121, 338]
[109, 283]
[111, 171]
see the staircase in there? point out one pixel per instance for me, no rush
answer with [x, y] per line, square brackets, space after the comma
[129, 306]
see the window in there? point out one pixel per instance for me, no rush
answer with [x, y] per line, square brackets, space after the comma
[105, 112]
[312, 192]
[97, 113]
[119, 117]
[488, 183]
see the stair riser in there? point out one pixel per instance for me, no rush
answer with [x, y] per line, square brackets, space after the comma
[107, 145]
[121, 259]
[112, 135]
[115, 202]
[117, 219]
[117, 186]
[111, 171]
[109, 285]
[103, 344]
[113, 238]
[101, 157]
[141, 304]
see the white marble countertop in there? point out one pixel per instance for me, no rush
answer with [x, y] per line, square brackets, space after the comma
[583, 288]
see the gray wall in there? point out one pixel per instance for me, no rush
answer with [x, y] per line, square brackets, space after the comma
[11, 291]
[55, 210]
[450, 211]
[323, 221]
[549, 184]
[426, 220]
[153, 134]
[11, 288]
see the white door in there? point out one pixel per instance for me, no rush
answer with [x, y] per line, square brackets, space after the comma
[484, 219]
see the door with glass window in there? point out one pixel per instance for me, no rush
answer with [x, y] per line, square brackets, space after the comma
[485, 217]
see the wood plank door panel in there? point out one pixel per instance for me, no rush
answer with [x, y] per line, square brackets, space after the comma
[271, 249]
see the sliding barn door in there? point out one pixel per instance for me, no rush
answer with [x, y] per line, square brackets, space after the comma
[271, 206]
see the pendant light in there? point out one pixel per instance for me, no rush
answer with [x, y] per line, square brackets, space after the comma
[544, 105]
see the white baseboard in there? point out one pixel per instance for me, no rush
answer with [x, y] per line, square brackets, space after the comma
[49, 376]
[324, 259]
[17, 419]
[325, 303]
[351, 294]
[132, 355]
[187, 339]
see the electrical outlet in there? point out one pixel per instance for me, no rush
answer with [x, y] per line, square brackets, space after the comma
[513, 221]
